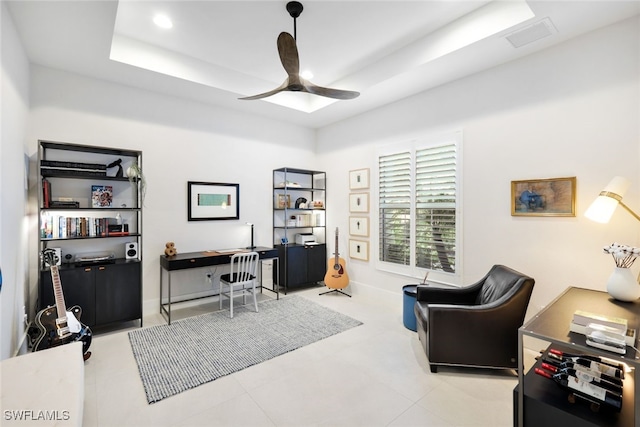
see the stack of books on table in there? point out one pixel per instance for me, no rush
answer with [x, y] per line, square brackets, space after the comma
[605, 332]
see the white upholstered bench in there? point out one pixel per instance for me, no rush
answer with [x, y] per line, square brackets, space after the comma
[45, 388]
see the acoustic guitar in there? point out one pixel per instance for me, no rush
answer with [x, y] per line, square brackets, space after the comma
[56, 325]
[336, 277]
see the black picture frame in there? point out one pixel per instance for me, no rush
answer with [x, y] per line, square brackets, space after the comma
[212, 201]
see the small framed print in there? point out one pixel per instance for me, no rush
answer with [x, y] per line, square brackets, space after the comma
[359, 226]
[284, 201]
[101, 196]
[212, 201]
[359, 179]
[359, 249]
[359, 202]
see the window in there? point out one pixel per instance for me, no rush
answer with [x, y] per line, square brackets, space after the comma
[418, 205]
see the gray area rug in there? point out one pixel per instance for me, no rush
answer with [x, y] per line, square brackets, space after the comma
[193, 351]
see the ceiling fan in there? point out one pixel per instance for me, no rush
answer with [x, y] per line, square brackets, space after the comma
[288, 52]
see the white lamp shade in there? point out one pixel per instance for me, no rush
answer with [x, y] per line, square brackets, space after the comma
[603, 207]
[618, 185]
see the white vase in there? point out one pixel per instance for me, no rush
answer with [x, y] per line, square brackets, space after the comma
[622, 285]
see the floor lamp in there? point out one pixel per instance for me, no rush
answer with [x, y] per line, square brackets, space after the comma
[608, 200]
[602, 208]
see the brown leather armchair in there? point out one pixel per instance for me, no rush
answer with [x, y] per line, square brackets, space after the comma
[475, 325]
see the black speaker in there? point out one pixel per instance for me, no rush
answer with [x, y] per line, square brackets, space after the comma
[131, 250]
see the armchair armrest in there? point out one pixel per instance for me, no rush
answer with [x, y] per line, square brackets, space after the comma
[438, 295]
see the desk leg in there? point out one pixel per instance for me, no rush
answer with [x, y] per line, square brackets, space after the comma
[165, 312]
[276, 286]
[520, 379]
[169, 296]
[276, 263]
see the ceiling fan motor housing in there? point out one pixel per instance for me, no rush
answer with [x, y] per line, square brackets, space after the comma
[294, 8]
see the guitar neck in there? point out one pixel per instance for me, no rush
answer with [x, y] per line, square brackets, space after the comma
[57, 291]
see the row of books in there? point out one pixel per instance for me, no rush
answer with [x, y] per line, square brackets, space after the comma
[305, 220]
[62, 227]
[48, 203]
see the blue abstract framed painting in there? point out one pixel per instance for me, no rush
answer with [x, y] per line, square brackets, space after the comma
[208, 201]
[544, 197]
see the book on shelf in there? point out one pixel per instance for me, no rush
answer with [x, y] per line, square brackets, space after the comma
[71, 172]
[57, 164]
[63, 227]
[46, 193]
[629, 333]
[63, 204]
[584, 318]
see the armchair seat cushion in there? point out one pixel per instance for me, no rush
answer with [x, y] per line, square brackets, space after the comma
[475, 325]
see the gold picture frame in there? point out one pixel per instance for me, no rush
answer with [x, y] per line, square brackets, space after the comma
[359, 226]
[359, 179]
[359, 249]
[359, 202]
[283, 201]
[544, 197]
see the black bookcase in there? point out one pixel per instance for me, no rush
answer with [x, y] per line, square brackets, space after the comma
[99, 244]
[299, 208]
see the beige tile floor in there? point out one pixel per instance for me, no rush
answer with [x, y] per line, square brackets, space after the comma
[372, 375]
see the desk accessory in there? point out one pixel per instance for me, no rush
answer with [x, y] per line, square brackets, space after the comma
[252, 245]
[170, 249]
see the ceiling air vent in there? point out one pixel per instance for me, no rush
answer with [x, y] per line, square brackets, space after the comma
[531, 33]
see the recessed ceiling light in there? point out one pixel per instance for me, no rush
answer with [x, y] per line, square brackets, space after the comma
[163, 21]
[306, 74]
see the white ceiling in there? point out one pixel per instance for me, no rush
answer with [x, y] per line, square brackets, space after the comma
[218, 51]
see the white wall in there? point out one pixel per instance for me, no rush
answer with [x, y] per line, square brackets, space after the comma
[181, 141]
[571, 110]
[14, 248]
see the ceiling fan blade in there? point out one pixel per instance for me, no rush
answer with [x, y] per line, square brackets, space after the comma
[329, 92]
[288, 54]
[281, 88]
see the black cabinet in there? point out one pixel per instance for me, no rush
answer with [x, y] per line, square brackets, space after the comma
[118, 296]
[302, 264]
[546, 404]
[106, 293]
[542, 402]
[77, 288]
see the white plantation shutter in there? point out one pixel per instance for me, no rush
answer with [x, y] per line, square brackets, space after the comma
[395, 208]
[436, 207]
[418, 206]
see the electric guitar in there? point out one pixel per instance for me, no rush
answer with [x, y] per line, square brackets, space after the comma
[56, 325]
[336, 277]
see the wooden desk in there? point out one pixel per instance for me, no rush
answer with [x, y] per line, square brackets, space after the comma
[546, 400]
[206, 259]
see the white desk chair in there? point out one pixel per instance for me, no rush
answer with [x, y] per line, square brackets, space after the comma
[241, 279]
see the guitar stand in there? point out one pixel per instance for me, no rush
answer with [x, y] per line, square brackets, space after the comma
[335, 290]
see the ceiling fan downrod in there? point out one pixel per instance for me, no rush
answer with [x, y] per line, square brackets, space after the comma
[295, 9]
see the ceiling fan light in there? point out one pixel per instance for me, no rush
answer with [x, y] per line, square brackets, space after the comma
[306, 74]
